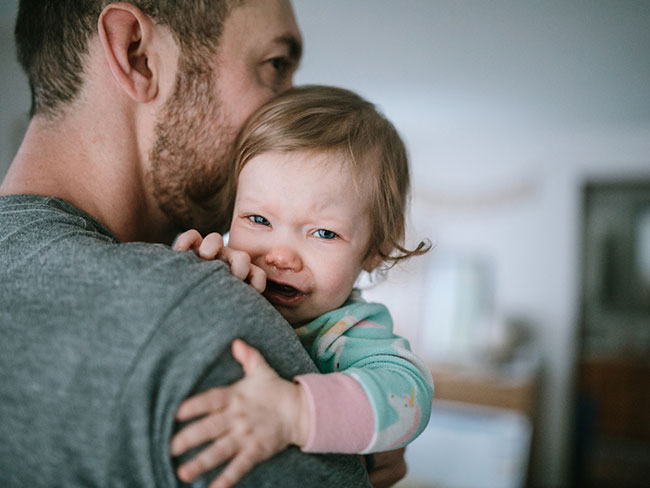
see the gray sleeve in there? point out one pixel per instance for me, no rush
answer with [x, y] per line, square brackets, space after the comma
[190, 352]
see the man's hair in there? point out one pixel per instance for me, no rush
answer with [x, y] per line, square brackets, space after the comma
[338, 121]
[52, 40]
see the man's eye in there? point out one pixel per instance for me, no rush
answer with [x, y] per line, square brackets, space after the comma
[325, 234]
[277, 72]
[280, 64]
[258, 219]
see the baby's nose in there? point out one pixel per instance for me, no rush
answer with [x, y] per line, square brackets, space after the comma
[284, 258]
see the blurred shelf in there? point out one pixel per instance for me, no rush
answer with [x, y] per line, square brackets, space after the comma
[487, 387]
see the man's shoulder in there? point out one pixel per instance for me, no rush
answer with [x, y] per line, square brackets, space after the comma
[49, 236]
[64, 261]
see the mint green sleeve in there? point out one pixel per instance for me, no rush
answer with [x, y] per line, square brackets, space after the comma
[358, 340]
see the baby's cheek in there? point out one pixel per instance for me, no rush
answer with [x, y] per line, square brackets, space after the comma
[239, 242]
[339, 288]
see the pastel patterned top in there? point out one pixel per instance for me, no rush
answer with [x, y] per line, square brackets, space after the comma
[374, 394]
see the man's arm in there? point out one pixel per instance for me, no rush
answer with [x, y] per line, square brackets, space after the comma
[189, 353]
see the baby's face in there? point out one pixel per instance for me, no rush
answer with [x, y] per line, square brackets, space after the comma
[301, 219]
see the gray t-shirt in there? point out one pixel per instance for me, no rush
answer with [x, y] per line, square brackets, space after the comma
[100, 342]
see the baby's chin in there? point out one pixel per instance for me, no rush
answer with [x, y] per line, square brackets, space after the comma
[299, 317]
[295, 319]
[297, 322]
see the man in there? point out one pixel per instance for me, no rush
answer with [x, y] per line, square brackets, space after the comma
[135, 107]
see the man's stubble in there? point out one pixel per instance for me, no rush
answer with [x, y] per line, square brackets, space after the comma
[192, 157]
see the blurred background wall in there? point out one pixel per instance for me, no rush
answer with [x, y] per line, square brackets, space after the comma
[14, 91]
[509, 108]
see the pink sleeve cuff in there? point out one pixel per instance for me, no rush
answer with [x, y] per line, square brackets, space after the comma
[341, 415]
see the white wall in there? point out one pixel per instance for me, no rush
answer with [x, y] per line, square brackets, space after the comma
[507, 108]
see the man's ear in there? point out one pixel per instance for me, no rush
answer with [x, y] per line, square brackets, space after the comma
[126, 36]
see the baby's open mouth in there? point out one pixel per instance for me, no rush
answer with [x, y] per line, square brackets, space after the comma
[283, 295]
[280, 289]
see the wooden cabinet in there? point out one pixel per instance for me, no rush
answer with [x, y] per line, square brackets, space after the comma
[619, 392]
[613, 427]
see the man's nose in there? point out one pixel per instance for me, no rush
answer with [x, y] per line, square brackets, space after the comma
[284, 258]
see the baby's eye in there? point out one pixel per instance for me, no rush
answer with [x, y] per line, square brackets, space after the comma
[325, 234]
[258, 219]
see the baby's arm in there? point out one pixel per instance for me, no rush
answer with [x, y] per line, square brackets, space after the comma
[356, 345]
[252, 419]
[211, 247]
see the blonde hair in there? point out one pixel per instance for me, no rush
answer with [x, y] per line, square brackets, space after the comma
[330, 119]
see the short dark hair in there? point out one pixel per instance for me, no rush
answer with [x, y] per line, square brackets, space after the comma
[52, 40]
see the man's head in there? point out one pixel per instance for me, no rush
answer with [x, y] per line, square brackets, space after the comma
[255, 61]
[52, 38]
[233, 55]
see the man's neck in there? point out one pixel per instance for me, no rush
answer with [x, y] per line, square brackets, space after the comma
[95, 168]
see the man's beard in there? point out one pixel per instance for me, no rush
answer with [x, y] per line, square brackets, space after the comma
[191, 160]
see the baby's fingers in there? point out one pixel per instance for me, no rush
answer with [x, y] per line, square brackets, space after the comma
[240, 262]
[242, 268]
[241, 464]
[211, 246]
[196, 433]
[190, 239]
[211, 401]
[257, 278]
[212, 456]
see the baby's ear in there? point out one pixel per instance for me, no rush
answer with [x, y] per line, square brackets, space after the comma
[372, 261]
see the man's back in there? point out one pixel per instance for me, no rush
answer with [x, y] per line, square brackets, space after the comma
[101, 341]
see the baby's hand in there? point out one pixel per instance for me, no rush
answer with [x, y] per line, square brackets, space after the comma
[247, 422]
[211, 247]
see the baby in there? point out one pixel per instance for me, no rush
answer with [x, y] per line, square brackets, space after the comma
[322, 184]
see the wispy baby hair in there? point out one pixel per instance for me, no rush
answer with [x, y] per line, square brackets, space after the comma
[329, 119]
